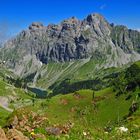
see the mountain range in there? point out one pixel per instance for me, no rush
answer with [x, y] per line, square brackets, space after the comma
[72, 44]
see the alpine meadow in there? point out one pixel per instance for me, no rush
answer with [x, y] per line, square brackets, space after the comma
[76, 79]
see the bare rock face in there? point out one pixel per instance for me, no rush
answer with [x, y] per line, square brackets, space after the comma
[35, 25]
[71, 40]
[14, 134]
[2, 135]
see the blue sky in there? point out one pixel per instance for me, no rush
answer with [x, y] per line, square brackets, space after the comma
[16, 15]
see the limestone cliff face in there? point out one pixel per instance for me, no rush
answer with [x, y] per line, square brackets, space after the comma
[70, 40]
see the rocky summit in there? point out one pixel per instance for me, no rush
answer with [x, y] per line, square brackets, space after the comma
[93, 38]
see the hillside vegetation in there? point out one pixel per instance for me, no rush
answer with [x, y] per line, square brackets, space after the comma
[109, 111]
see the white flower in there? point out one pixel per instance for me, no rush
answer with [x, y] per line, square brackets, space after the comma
[123, 129]
[84, 133]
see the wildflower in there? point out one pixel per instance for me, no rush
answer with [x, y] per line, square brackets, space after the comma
[84, 133]
[32, 133]
[106, 132]
[123, 129]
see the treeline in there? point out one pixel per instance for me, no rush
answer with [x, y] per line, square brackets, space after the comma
[67, 87]
[128, 80]
[122, 82]
[19, 82]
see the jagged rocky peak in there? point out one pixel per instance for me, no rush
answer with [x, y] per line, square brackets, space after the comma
[96, 19]
[53, 27]
[36, 25]
[72, 20]
[93, 17]
[98, 24]
[70, 23]
[72, 39]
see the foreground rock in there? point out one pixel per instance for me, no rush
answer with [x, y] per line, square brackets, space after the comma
[14, 134]
[60, 129]
[2, 135]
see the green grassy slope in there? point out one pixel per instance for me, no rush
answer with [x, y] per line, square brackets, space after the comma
[80, 70]
[76, 71]
[88, 114]
[3, 116]
[94, 114]
[11, 97]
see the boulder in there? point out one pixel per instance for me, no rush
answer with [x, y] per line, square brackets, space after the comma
[14, 134]
[2, 135]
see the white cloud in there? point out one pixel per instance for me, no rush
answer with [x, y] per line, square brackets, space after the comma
[103, 6]
[138, 29]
